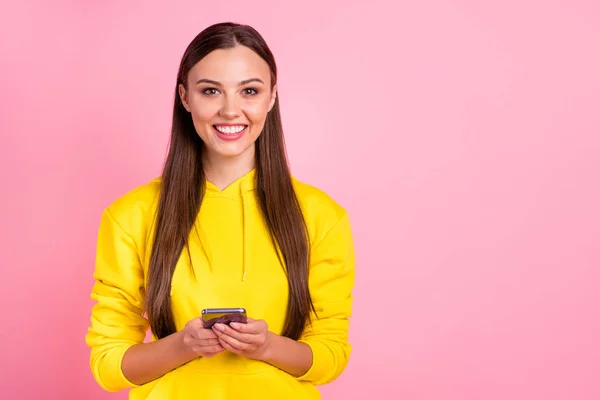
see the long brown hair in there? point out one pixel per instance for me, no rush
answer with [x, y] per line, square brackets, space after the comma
[183, 186]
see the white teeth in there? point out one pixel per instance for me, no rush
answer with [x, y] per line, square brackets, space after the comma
[230, 130]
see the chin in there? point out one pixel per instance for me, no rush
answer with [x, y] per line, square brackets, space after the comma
[231, 152]
[230, 155]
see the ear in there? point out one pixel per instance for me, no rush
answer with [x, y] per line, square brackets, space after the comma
[273, 97]
[183, 95]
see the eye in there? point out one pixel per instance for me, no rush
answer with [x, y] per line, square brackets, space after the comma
[210, 91]
[250, 91]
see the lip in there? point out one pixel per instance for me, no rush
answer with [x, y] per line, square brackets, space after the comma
[230, 138]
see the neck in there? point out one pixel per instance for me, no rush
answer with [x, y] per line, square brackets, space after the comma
[223, 171]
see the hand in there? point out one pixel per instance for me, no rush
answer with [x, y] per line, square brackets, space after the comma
[201, 341]
[250, 340]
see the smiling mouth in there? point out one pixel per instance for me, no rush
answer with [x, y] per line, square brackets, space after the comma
[230, 130]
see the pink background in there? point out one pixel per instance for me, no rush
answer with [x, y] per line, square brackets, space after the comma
[462, 136]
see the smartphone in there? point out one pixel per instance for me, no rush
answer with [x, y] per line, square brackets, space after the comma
[211, 316]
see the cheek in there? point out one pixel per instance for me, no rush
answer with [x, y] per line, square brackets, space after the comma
[204, 111]
[257, 113]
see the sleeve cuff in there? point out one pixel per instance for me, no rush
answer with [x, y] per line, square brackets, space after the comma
[110, 375]
[321, 365]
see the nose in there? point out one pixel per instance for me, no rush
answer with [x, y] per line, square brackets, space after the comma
[230, 108]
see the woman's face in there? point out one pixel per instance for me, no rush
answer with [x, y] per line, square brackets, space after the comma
[229, 95]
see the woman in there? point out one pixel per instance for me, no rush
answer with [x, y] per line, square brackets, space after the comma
[224, 226]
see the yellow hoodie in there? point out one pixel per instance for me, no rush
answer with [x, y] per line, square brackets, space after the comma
[233, 264]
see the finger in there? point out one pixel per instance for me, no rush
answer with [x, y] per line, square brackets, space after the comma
[233, 342]
[208, 349]
[221, 329]
[196, 323]
[252, 327]
[193, 328]
[229, 347]
[199, 332]
[206, 334]
[207, 342]
[192, 341]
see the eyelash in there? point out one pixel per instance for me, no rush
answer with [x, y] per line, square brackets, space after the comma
[210, 91]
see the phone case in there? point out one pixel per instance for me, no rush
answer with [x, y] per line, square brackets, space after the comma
[211, 316]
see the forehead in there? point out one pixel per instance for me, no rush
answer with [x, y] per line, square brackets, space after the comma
[230, 66]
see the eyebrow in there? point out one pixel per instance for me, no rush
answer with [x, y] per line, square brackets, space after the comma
[244, 82]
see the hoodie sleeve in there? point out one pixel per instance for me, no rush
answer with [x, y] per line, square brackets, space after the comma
[117, 321]
[331, 280]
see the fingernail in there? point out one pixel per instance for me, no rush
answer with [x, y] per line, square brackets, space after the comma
[234, 325]
[219, 327]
